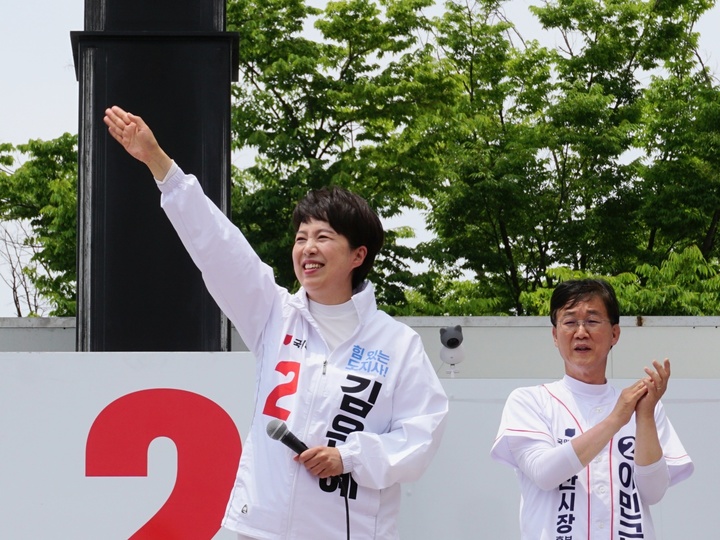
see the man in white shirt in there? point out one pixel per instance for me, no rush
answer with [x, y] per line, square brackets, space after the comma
[590, 459]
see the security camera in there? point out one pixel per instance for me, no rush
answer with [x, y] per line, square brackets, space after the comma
[452, 351]
[451, 336]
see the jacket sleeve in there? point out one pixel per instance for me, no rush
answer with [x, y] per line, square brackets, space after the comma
[545, 464]
[419, 408]
[241, 284]
[521, 417]
[524, 441]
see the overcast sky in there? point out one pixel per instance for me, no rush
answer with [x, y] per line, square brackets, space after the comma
[39, 92]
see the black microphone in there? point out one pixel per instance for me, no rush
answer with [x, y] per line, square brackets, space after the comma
[278, 430]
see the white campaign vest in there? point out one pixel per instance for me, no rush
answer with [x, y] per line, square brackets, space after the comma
[601, 501]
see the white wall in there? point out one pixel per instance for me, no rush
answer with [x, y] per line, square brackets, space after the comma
[522, 347]
[495, 347]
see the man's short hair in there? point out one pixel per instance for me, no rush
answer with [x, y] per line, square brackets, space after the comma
[568, 293]
[348, 214]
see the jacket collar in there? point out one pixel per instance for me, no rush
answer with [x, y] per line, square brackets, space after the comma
[363, 298]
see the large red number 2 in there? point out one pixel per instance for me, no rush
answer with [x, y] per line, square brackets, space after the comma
[208, 451]
[285, 389]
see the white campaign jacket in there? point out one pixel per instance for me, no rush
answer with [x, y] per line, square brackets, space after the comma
[376, 397]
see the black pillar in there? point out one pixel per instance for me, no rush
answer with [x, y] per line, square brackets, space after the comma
[172, 63]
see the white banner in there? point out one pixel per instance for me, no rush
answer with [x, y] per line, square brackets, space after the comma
[115, 446]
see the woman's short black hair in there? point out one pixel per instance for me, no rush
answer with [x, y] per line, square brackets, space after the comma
[568, 293]
[348, 214]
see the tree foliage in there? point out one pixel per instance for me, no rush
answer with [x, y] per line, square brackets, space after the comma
[596, 155]
[549, 171]
[529, 158]
[683, 284]
[332, 110]
[43, 191]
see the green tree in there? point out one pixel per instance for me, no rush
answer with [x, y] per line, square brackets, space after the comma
[42, 191]
[491, 215]
[681, 187]
[683, 284]
[332, 110]
[539, 174]
[531, 162]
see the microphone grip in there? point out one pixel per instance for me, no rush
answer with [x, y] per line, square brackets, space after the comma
[293, 443]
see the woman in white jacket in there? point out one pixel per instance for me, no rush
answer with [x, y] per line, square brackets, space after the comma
[351, 382]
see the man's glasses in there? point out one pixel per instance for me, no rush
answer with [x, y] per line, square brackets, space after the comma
[572, 325]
